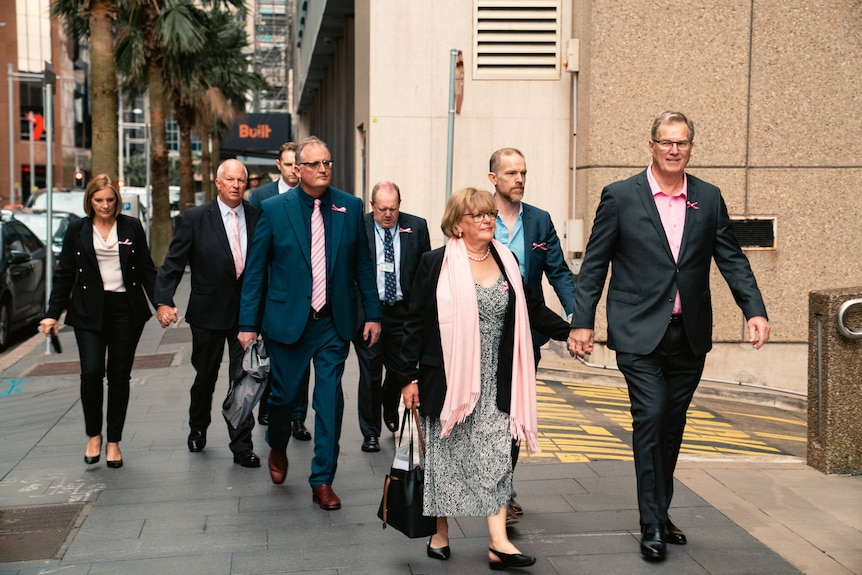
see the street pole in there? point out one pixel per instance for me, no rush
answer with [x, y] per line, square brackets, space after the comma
[32, 119]
[11, 77]
[49, 183]
[121, 128]
[453, 59]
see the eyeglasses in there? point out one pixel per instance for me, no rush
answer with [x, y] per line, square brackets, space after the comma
[478, 217]
[232, 181]
[666, 145]
[316, 165]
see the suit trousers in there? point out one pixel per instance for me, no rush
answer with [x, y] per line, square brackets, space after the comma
[320, 344]
[119, 338]
[301, 409]
[661, 386]
[207, 352]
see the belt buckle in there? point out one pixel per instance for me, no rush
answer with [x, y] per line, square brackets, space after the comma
[314, 313]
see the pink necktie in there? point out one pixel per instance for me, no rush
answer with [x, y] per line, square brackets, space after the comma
[235, 244]
[318, 259]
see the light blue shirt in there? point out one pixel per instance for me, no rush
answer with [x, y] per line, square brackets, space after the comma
[381, 260]
[516, 242]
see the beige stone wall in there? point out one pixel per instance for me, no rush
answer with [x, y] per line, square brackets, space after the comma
[775, 90]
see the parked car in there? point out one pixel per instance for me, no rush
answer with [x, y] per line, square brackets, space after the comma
[37, 221]
[62, 200]
[22, 287]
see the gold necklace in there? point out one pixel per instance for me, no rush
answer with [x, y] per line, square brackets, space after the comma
[480, 259]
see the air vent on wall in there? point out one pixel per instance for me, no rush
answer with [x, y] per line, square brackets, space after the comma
[516, 39]
[754, 233]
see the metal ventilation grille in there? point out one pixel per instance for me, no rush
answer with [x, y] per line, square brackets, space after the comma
[754, 233]
[516, 39]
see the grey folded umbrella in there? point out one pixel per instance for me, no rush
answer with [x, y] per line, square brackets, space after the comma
[247, 387]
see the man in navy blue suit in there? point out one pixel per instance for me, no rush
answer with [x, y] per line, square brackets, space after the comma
[308, 255]
[529, 233]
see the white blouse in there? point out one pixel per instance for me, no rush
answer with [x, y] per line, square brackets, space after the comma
[108, 256]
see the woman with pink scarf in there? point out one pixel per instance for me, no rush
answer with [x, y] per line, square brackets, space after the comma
[471, 373]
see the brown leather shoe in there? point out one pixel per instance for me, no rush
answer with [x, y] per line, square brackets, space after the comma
[324, 496]
[278, 465]
[511, 516]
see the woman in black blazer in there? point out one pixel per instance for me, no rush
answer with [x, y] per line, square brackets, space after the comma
[468, 353]
[104, 271]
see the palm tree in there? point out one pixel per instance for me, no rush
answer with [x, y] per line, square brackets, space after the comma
[95, 20]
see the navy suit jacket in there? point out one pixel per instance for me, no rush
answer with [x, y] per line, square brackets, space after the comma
[278, 270]
[544, 255]
[202, 243]
[628, 233]
[78, 284]
[413, 244]
[264, 192]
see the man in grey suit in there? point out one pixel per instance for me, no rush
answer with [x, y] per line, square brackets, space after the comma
[286, 164]
[530, 234]
[661, 229]
[396, 241]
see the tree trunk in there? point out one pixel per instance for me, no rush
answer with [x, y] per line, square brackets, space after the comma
[103, 74]
[216, 155]
[161, 231]
[185, 116]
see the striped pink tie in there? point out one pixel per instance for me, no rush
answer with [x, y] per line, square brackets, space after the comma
[235, 244]
[318, 259]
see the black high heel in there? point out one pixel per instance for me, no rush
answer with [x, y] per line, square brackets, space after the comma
[510, 560]
[116, 464]
[441, 553]
[91, 459]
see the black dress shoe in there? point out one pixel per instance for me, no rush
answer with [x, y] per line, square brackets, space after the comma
[652, 544]
[371, 444]
[441, 553]
[390, 418]
[247, 459]
[263, 418]
[510, 560]
[299, 431]
[673, 534]
[197, 441]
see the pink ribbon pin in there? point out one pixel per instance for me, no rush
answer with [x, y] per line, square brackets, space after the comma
[692, 205]
[405, 230]
[125, 242]
[342, 209]
[504, 287]
[542, 246]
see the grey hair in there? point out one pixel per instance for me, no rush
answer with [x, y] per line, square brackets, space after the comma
[668, 117]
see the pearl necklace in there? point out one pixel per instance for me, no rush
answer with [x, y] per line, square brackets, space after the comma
[481, 259]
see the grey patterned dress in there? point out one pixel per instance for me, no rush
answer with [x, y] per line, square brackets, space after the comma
[469, 473]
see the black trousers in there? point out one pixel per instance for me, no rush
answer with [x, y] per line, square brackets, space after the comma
[207, 352]
[374, 389]
[661, 385]
[119, 338]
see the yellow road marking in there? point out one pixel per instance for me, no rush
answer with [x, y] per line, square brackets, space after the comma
[770, 418]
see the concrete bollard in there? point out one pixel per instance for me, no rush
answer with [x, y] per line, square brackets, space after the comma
[835, 381]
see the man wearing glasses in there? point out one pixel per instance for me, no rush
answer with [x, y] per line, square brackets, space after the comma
[308, 254]
[529, 233]
[661, 229]
[396, 242]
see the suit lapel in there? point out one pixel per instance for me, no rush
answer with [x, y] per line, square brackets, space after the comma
[124, 238]
[528, 223]
[87, 241]
[293, 213]
[214, 218]
[691, 198]
[646, 198]
[337, 220]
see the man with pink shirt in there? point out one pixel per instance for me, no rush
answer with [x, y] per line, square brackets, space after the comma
[661, 229]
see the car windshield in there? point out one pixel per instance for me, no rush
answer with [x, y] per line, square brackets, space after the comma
[62, 201]
[39, 226]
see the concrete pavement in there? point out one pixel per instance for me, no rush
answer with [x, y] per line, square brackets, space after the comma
[171, 511]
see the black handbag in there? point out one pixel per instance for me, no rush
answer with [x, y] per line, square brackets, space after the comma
[401, 505]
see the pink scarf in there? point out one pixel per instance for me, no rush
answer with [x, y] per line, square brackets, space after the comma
[458, 315]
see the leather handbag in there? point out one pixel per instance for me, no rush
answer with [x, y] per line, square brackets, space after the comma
[401, 505]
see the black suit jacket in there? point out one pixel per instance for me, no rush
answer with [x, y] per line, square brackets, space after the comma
[201, 241]
[628, 233]
[422, 349]
[78, 284]
[414, 243]
[258, 195]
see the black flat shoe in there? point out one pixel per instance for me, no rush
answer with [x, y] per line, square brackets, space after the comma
[299, 431]
[371, 444]
[673, 534]
[441, 553]
[197, 441]
[390, 418]
[247, 459]
[507, 560]
[652, 543]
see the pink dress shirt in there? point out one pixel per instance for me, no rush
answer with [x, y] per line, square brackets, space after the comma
[671, 209]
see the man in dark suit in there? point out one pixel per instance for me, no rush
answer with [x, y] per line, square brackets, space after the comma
[308, 253]
[213, 240]
[396, 241]
[286, 164]
[529, 233]
[661, 229]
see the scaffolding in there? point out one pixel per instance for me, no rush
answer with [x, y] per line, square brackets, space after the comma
[271, 56]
